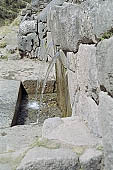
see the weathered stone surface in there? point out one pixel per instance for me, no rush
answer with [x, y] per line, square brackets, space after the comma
[18, 137]
[28, 27]
[51, 124]
[88, 111]
[42, 55]
[15, 143]
[50, 46]
[91, 160]
[43, 15]
[105, 64]
[28, 43]
[87, 87]
[25, 69]
[45, 159]
[62, 28]
[10, 97]
[106, 120]
[84, 26]
[72, 131]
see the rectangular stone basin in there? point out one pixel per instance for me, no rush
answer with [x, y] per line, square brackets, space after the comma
[10, 98]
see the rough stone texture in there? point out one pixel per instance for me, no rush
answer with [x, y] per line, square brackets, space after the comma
[10, 98]
[25, 69]
[50, 46]
[87, 87]
[42, 55]
[43, 15]
[18, 137]
[72, 79]
[51, 124]
[72, 131]
[91, 160]
[82, 84]
[45, 159]
[105, 65]
[15, 142]
[106, 120]
[87, 26]
[39, 5]
[28, 27]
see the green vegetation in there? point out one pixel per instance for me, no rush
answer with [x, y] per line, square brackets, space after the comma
[107, 35]
[46, 144]
[9, 10]
[3, 44]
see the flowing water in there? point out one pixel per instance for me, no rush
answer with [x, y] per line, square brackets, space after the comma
[51, 65]
[40, 106]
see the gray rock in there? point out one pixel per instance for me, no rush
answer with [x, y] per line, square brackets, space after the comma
[27, 43]
[43, 15]
[105, 65]
[106, 120]
[28, 27]
[50, 124]
[72, 24]
[45, 159]
[91, 160]
[23, 44]
[42, 55]
[72, 131]
[83, 85]
[18, 138]
[10, 98]
[50, 46]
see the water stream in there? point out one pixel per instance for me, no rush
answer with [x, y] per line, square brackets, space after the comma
[51, 65]
[38, 107]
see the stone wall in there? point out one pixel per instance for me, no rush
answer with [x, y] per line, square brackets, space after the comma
[78, 31]
[33, 36]
[86, 39]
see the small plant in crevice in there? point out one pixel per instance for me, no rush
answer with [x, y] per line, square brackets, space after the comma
[107, 35]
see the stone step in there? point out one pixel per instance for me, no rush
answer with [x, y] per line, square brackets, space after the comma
[10, 98]
[70, 130]
[40, 158]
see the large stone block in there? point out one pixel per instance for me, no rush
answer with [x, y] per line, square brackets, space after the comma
[72, 23]
[46, 159]
[10, 98]
[83, 86]
[106, 121]
[43, 15]
[105, 64]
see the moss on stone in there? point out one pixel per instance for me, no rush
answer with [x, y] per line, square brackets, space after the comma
[46, 143]
[100, 147]
[79, 149]
[3, 44]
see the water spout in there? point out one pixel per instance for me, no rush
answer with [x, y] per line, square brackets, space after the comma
[51, 65]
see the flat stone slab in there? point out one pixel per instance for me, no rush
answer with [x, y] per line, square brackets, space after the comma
[9, 94]
[18, 137]
[70, 130]
[40, 158]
